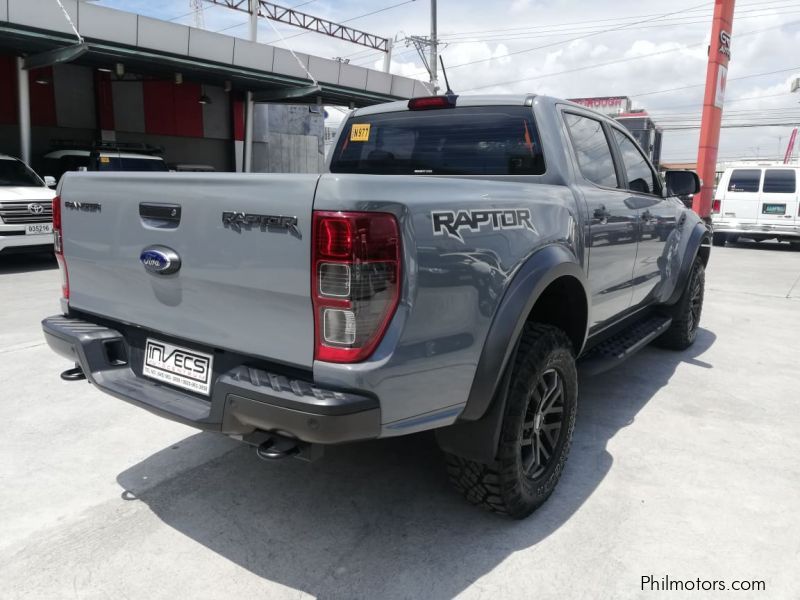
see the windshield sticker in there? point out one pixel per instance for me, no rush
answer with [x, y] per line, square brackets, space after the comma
[449, 223]
[359, 132]
[105, 160]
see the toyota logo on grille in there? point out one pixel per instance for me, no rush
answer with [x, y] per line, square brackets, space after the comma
[35, 208]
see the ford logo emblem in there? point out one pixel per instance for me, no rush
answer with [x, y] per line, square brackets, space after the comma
[160, 260]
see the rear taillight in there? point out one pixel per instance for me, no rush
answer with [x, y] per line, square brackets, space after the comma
[716, 207]
[58, 247]
[355, 282]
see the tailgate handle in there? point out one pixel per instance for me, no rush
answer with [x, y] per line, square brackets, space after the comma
[163, 216]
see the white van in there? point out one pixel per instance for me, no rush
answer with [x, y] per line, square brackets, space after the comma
[758, 203]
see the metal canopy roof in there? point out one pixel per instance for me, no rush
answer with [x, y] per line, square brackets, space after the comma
[154, 48]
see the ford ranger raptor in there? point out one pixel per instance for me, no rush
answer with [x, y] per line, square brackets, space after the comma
[454, 265]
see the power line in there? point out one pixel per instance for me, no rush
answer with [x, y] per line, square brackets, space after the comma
[732, 100]
[699, 8]
[736, 126]
[619, 60]
[686, 87]
[597, 30]
[550, 45]
[625, 20]
[778, 114]
[545, 31]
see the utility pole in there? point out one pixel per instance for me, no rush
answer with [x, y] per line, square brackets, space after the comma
[197, 9]
[719, 53]
[387, 58]
[422, 43]
[253, 20]
[434, 61]
[249, 106]
[24, 106]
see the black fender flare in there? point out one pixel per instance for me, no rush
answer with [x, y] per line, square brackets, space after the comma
[475, 434]
[699, 244]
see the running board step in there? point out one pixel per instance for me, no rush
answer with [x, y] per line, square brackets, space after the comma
[626, 343]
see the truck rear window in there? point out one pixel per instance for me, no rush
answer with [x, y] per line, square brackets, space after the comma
[481, 140]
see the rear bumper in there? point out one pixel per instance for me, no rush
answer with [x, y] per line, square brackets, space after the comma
[244, 399]
[784, 231]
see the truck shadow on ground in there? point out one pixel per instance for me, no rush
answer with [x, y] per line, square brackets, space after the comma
[378, 519]
[27, 262]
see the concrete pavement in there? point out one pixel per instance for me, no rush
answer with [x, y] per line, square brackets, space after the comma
[683, 464]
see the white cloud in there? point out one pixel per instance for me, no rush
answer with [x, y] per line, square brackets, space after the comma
[520, 5]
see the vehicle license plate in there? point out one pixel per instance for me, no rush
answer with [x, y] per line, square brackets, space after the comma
[38, 228]
[181, 367]
[773, 209]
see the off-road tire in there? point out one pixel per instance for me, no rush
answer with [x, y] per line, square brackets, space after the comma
[504, 486]
[686, 312]
[719, 239]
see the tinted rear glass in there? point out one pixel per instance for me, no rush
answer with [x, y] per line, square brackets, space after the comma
[485, 140]
[744, 180]
[779, 181]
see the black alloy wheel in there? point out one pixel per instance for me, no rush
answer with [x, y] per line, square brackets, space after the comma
[542, 428]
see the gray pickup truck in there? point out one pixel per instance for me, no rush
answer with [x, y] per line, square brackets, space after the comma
[457, 262]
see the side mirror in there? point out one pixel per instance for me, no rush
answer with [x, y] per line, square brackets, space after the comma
[50, 181]
[682, 183]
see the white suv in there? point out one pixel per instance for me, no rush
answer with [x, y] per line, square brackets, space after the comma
[26, 207]
[757, 202]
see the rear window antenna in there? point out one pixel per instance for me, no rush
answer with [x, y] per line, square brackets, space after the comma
[449, 92]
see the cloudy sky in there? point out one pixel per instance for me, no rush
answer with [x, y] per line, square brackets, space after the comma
[652, 51]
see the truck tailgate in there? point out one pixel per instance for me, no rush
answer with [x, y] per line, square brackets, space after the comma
[243, 287]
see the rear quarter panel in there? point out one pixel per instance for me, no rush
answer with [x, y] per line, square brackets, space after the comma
[424, 368]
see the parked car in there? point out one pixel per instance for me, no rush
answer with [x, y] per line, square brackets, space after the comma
[438, 277]
[61, 161]
[26, 207]
[758, 203]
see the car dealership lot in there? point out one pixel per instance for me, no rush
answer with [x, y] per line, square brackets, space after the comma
[694, 479]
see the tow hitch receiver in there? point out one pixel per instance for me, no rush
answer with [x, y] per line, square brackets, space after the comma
[274, 446]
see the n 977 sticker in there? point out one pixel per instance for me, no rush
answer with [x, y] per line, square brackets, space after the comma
[359, 132]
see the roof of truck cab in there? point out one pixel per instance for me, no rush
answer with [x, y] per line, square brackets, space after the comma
[476, 100]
